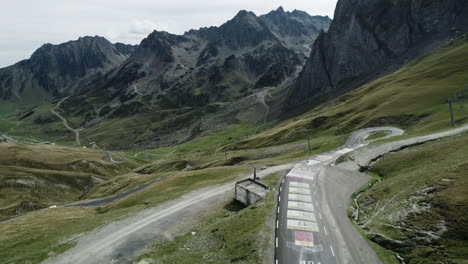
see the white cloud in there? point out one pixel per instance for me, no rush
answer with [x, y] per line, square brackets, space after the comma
[136, 31]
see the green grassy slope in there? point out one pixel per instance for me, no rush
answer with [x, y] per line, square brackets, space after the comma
[34, 237]
[413, 98]
[231, 234]
[38, 176]
[420, 207]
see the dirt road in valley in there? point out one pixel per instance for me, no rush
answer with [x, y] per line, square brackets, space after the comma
[65, 122]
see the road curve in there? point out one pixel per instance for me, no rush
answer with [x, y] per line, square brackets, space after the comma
[329, 187]
[312, 221]
[360, 136]
[121, 241]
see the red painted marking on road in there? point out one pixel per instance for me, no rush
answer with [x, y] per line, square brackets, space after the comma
[305, 239]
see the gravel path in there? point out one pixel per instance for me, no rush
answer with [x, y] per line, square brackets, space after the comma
[65, 122]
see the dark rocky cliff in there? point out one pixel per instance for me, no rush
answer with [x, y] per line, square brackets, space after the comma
[55, 70]
[371, 37]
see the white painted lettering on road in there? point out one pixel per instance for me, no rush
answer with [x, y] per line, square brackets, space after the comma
[300, 215]
[299, 197]
[300, 176]
[299, 185]
[299, 190]
[302, 225]
[301, 206]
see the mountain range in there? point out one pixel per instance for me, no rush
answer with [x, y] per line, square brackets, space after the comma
[252, 69]
[168, 80]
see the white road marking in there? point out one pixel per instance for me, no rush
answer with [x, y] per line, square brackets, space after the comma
[299, 185]
[344, 151]
[299, 190]
[299, 197]
[277, 224]
[279, 198]
[322, 157]
[282, 181]
[303, 225]
[333, 252]
[278, 209]
[276, 242]
[320, 216]
[316, 202]
[300, 215]
[325, 229]
[313, 162]
[301, 206]
[281, 188]
[276, 261]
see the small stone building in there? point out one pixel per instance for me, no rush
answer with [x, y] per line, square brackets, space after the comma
[250, 191]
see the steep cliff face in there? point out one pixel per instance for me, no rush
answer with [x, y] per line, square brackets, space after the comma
[297, 30]
[370, 37]
[56, 70]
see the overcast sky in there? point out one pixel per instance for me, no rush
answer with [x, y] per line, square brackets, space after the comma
[27, 24]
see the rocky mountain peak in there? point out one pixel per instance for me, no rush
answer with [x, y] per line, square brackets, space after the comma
[368, 37]
[280, 9]
[55, 69]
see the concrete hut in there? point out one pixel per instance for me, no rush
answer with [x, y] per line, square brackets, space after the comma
[250, 191]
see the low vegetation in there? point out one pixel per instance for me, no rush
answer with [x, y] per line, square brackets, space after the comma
[38, 176]
[232, 233]
[419, 208]
[34, 237]
[32, 173]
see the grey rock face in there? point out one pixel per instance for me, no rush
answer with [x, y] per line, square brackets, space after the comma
[369, 37]
[56, 70]
[211, 64]
[296, 29]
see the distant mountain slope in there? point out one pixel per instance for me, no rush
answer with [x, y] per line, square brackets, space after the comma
[58, 70]
[177, 82]
[296, 29]
[370, 37]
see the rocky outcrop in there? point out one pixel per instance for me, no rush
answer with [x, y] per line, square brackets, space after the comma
[57, 70]
[297, 30]
[371, 37]
[174, 80]
[244, 30]
[216, 64]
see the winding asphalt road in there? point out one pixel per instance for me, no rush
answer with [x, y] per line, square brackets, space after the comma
[329, 239]
[312, 226]
[312, 222]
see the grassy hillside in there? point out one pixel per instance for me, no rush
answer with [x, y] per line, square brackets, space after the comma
[420, 207]
[225, 236]
[413, 98]
[38, 176]
[34, 237]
